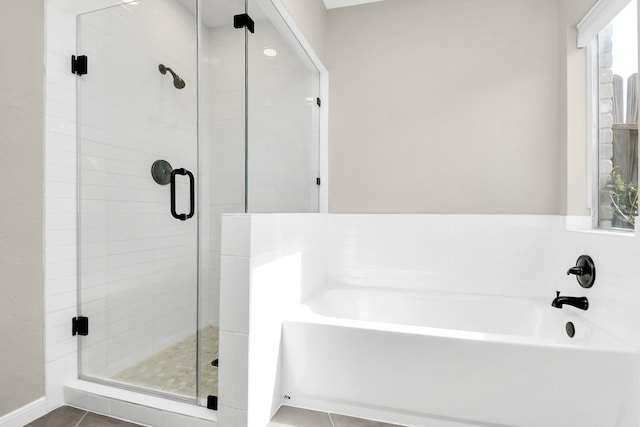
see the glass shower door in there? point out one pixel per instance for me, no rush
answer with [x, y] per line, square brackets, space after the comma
[137, 216]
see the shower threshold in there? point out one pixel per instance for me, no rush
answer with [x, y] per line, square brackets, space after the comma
[132, 406]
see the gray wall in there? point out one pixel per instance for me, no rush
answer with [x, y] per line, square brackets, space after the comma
[21, 207]
[445, 107]
[494, 168]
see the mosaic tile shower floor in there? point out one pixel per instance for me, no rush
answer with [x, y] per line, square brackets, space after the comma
[173, 369]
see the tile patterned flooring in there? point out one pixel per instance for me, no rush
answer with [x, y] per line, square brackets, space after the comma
[66, 416]
[173, 369]
[288, 416]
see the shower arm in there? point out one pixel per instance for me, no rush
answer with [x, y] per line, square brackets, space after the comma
[177, 80]
[164, 70]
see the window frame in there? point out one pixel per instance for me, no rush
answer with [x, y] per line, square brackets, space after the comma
[589, 28]
[593, 134]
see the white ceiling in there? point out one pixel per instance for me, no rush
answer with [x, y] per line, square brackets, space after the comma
[332, 4]
[220, 12]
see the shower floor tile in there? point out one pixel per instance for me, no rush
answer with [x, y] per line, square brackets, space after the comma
[173, 369]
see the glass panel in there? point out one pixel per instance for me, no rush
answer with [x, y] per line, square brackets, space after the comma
[618, 121]
[137, 263]
[221, 157]
[282, 118]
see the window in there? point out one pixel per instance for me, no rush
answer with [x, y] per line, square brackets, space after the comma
[614, 104]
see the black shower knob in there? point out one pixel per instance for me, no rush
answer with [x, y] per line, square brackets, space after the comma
[584, 270]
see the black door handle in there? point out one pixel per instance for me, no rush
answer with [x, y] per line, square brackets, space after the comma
[182, 216]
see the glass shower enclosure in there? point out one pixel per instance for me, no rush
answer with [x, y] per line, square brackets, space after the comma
[181, 117]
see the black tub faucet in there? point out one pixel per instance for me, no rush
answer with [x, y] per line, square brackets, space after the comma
[578, 302]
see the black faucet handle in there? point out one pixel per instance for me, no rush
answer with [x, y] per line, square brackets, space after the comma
[555, 303]
[577, 270]
[584, 270]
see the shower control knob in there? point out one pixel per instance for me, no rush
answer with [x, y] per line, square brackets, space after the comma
[584, 270]
[161, 172]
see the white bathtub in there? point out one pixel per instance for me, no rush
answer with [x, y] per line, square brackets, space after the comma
[446, 361]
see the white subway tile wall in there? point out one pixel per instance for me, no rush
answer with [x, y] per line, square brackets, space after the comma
[234, 318]
[487, 254]
[266, 259]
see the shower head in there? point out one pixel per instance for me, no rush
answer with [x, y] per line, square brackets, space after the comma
[177, 81]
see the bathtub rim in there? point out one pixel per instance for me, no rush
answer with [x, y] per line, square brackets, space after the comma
[604, 340]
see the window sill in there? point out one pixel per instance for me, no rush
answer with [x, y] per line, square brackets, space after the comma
[583, 224]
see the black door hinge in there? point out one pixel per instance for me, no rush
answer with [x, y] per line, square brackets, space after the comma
[318, 102]
[212, 402]
[79, 64]
[243, 20]
[318, 181]
[80, 326]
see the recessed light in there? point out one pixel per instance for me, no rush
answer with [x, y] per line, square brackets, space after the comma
[270, 52]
